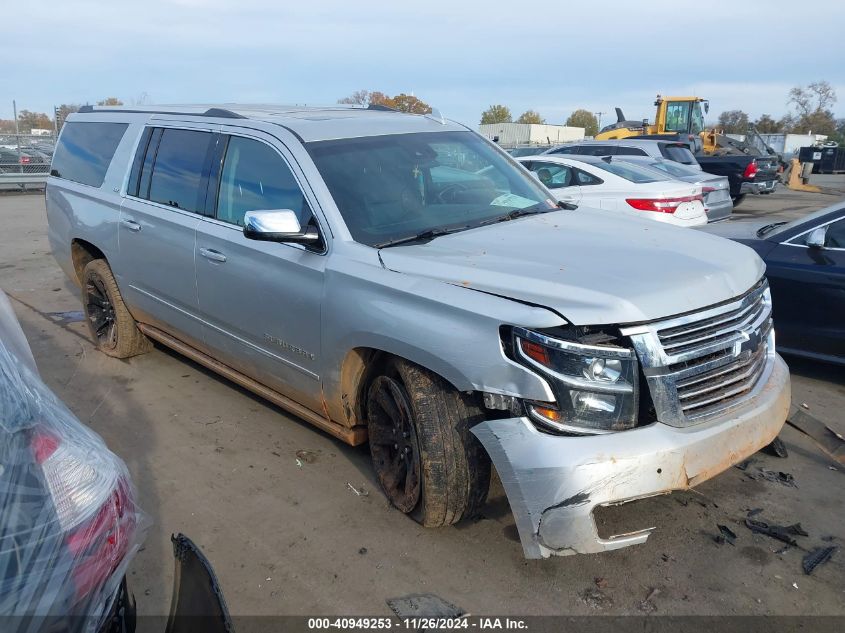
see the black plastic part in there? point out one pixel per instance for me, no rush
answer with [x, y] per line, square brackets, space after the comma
[776, 448]
[817, 557]
[222, 113]
[381, 107]
[197, 603]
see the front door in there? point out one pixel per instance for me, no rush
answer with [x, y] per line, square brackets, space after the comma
[260, 300]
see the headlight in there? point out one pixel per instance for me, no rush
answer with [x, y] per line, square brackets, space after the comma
[596, 386]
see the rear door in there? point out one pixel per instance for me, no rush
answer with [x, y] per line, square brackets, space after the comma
[260, 301]
[158, 221]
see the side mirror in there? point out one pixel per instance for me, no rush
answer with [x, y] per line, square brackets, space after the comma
[816, 237]
[279, 225]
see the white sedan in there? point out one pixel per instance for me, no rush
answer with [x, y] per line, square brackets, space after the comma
[613, 184]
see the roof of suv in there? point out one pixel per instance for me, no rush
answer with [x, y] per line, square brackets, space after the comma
[310, 123]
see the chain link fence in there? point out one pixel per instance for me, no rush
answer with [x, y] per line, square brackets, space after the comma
[25, 160]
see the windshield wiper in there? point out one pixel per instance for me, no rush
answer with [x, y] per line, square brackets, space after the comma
[765, 229]
[513, 215]
[428, 235]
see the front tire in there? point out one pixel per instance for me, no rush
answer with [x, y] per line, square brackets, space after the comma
[112, 328]
[426, 459]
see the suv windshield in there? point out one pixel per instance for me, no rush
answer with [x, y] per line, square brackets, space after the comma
[628, 171]
[393, 187]
[678, 153]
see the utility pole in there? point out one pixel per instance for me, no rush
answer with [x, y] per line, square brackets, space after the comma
[55, 122]
[598, 116]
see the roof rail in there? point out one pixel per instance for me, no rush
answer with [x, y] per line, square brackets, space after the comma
[220, 113]
[381, 107]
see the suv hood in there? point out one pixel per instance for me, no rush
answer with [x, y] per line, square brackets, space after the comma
[592, 267]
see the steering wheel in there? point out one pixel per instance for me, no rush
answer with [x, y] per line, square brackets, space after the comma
[448, 193]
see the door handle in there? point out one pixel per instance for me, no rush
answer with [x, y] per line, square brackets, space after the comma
[210, 253]
[132, 225]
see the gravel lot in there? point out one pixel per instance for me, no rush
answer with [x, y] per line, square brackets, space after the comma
[220, 465]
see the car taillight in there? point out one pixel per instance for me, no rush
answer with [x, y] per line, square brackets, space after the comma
[750, 170]
[661, 205]
[93, 503]
[23, 160]
[706, 190]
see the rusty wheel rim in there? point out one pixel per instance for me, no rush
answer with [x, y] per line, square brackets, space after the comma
[393, 442]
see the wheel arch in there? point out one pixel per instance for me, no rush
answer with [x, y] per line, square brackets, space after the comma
[82, 253]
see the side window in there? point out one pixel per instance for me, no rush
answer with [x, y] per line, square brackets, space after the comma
[255, 177]
[835, 236]
[584, 179]
[598, 150]
[85, 150]
[569, 149]
[677, 116]
[180, 162]
[630, 151]
[552, 175]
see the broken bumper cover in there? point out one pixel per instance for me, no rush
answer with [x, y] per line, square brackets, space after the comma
[554, 483]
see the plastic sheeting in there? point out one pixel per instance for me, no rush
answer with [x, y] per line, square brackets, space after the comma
[69, 522]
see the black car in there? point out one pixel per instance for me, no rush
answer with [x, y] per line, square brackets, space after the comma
[805, 265]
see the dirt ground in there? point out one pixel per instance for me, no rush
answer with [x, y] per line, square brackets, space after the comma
[220, 465]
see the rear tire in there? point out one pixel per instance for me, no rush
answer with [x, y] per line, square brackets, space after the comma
[112, 328]
[427, 461]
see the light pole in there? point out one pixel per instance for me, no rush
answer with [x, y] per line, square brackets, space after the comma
[598, 116]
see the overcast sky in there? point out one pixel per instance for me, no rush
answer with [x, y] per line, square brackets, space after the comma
[459, 56]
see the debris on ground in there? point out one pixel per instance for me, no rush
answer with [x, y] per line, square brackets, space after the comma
[754, 512]
[780, 477]
[744, 464]
[361, 493]
[307, 457]
[647, 605]
[595, 598]
[779, 532]
[804, 405]
[601, 583]
[776, 448]
[816, 557]
[831, 442]
[425, 605]
[362, 551]
[726, 535]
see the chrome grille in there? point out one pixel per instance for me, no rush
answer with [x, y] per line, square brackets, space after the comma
[701, 364]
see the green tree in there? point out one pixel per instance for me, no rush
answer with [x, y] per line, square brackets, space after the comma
[733, 122]
[496, 114]
[531, 116]
[765, 124]
[110, 101]
[585, 119]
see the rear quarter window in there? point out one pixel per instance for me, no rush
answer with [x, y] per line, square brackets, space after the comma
[678, 153]
[85, 150]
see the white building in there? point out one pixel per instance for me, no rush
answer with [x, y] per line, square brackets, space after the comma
[514, 134]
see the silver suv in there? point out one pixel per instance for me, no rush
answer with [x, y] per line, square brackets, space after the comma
[668, 150]
[399, 279]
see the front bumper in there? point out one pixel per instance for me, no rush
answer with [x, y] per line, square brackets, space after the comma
[554, 483]
[763, 186]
